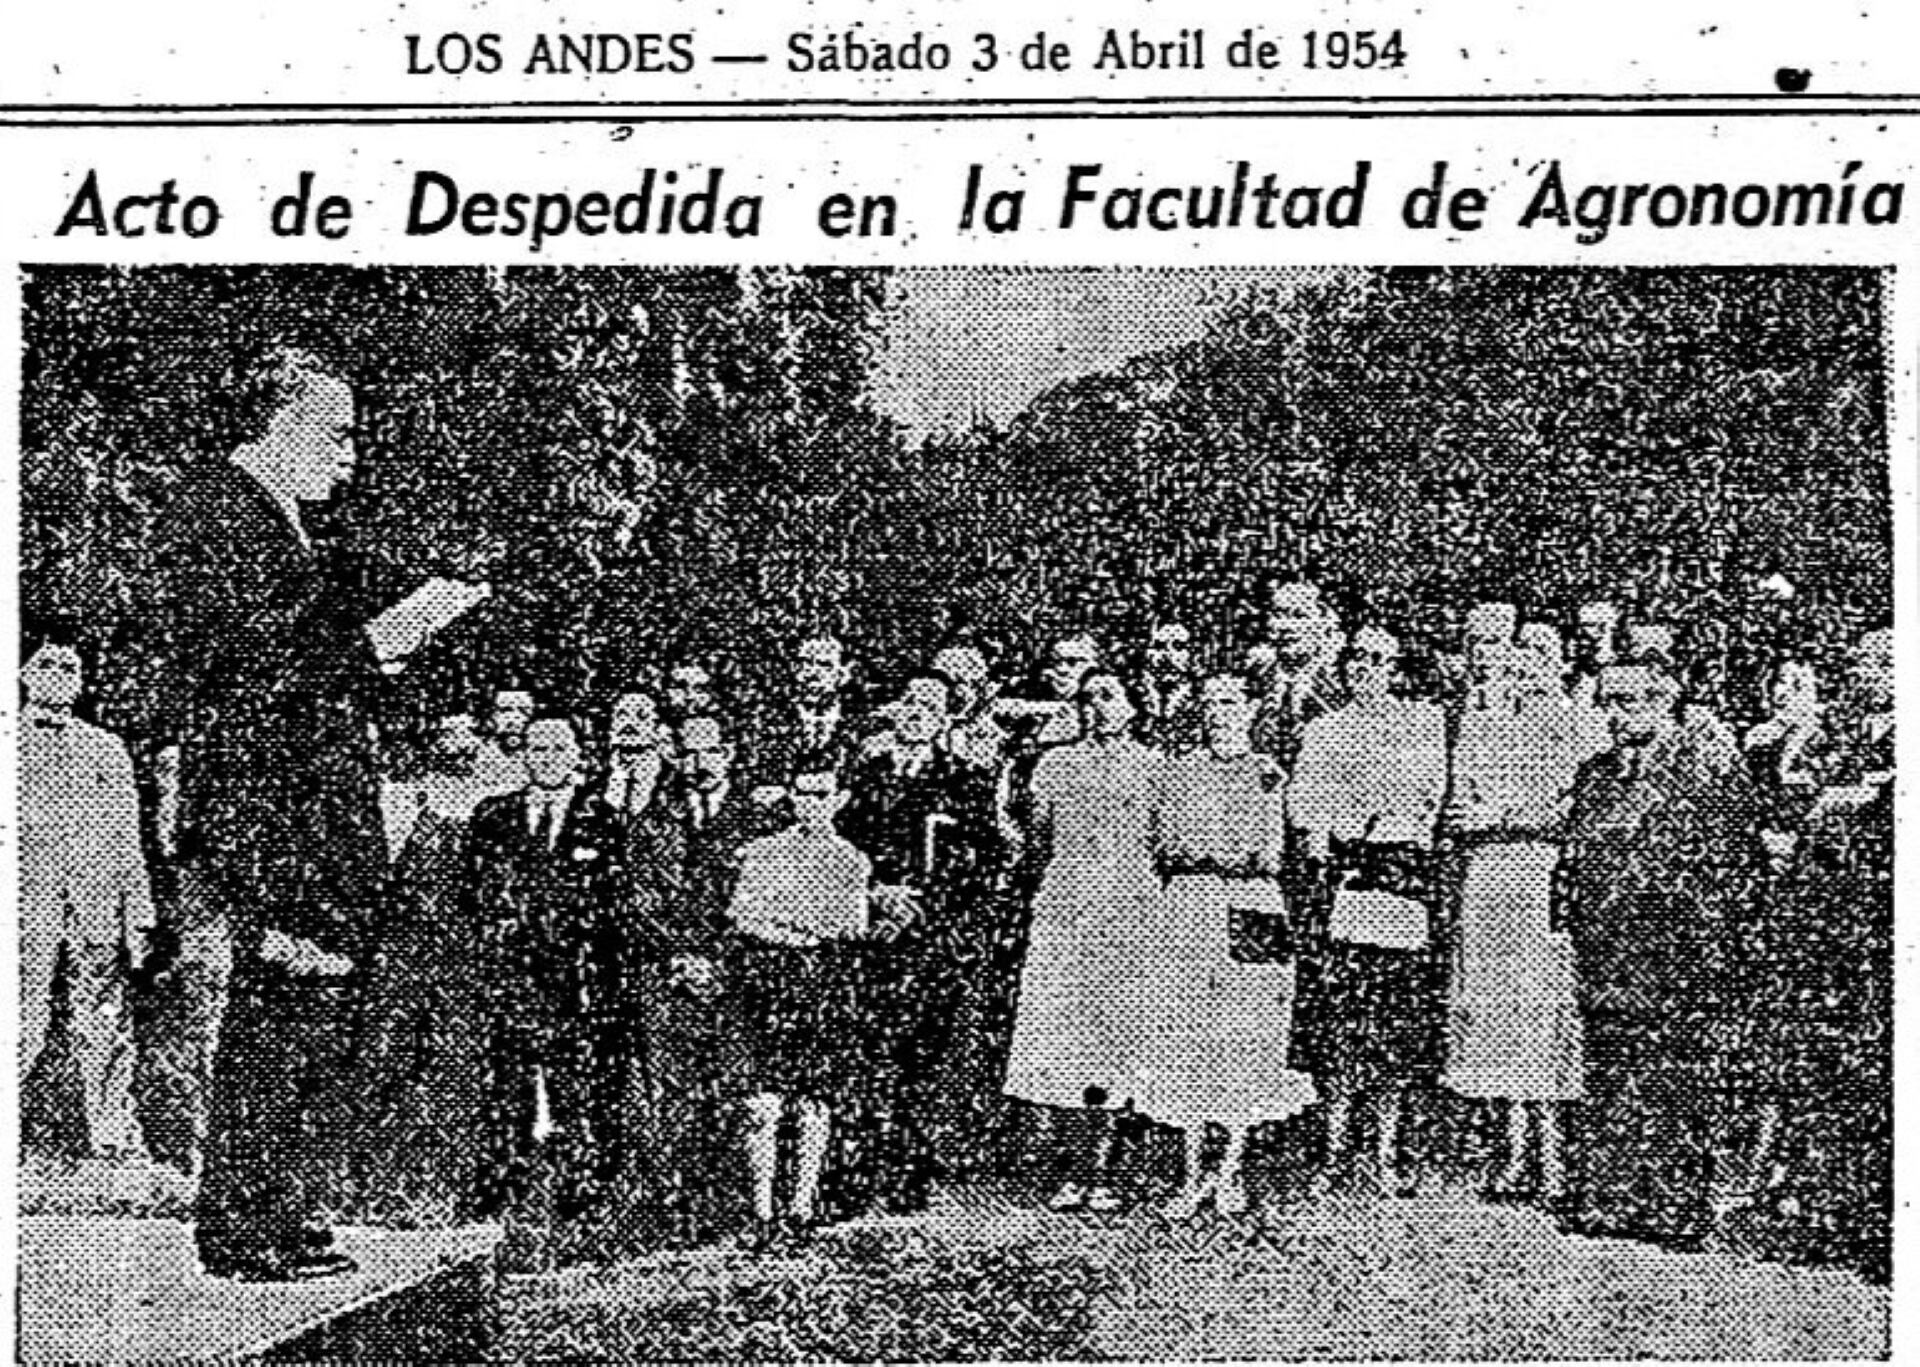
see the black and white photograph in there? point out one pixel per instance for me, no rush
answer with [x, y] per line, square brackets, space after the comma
[617, 813]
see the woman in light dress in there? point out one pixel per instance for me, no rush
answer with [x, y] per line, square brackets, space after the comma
[1078, 1028]
[1366, 798]
[1219, 966]
[1515, 1036]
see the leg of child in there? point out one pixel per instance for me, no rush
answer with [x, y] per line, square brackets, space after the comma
[816, 1127]
[763, 1150]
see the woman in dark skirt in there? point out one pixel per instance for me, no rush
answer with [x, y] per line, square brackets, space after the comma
[800, 902]
[1365, 797]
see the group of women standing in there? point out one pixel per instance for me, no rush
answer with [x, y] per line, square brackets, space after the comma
[1217, 942]
[1133, 996]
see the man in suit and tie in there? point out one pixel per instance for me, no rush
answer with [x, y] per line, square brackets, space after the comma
[697, 826]
[1169, 693]
[927, 820]
[810, 729]
[547, 886]
[275, 679]
[1304, 681]
[636, 763]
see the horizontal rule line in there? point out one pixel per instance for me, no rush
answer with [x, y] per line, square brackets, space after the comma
[924, 110]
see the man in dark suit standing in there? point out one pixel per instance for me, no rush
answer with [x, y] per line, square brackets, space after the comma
[696, 829]
[275, 680]
[927, 820]
[810, 729]
[547, 885]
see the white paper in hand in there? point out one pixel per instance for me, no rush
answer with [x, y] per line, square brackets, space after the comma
[415, 619]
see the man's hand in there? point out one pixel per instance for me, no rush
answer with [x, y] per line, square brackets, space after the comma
[894, 907]
[768, 795]
[302, 958]
[166, 815]
[697, 975]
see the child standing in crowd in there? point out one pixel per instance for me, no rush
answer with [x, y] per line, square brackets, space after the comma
[800, 901]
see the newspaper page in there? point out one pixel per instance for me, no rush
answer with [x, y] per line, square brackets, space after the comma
[940, 682]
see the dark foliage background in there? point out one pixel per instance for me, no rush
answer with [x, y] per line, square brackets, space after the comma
[650, 463]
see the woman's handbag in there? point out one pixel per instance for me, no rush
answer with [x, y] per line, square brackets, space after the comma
[1259, 928]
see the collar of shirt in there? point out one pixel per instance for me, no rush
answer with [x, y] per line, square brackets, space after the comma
[547, 804]
[704, 806]
[284, 501]
[912, 762]
[40, 718]
[644, 765]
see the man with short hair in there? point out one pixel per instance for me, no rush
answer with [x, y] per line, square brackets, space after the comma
[635, 762]
[1487, 646]
[810, 727]
[450, 786]
[1657, 642]
[689, 693]
[1069, 661]
[926, 819]
[973, 732]
[280, 830]
[83, 889]
[1661, 868]
[546, 885]
[500, 768]
[704, 819]
[1304, 682]
[1169, 701]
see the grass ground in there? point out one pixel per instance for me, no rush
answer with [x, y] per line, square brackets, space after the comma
[1439, 1276]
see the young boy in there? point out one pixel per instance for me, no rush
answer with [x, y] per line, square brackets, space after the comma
[801, 897]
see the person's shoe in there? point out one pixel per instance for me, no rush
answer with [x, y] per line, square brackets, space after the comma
[1071, 1197]
[1186, 1203]
[1230, 1198]
[273, 1265]
[1336, 1177]
[759, 1237]
[1508, 1189]
[327, 1264]
[1104, 1201]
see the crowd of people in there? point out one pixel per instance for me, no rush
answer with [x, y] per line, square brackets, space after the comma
[668, 970]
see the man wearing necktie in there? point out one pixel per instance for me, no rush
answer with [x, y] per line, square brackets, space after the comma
[276, 678]
[694, 833]
[635, 763]
[547, 884]
[810, 728]
[1304, 682]
[1661, 869]
[927, 820]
